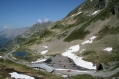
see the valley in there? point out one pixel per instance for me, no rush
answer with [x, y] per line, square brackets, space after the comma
[83, 45]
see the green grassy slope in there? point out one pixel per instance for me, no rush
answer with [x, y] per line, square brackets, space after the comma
[81, 33]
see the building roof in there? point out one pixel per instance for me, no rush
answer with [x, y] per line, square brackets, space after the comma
[43, 66]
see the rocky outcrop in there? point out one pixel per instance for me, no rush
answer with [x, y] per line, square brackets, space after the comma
[101, 4]
[99, 66]
[114, 10]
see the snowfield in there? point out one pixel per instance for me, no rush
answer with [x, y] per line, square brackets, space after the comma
[44, 52]
[89, 41]
[95, 12]
[20, 76]
[78, 60]
[74, 48]
[109, 49]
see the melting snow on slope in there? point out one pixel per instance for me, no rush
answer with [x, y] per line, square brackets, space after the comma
[74, 48]
[64, 76]
[89, 41]
[76, 14]
[78, 60]
[44, 52]
[45, 46]
[95, 12]
[0, 56]
[72, 15]
[109, 49]
[20, 76]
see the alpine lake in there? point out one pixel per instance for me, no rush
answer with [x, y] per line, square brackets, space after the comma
[21, 55]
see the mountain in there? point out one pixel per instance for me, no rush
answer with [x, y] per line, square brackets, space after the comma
[32, 34]
[8, 35]
[36, 28]
[93, 26]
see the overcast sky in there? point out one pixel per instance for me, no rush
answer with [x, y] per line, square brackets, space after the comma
[24, 13]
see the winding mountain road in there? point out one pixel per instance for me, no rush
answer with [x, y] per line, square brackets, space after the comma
[10, 57]
[93, 73]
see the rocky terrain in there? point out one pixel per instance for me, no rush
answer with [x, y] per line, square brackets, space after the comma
[93, 26]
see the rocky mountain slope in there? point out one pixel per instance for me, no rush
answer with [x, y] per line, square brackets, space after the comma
[30, 36]
[93, 18]
[93, 25]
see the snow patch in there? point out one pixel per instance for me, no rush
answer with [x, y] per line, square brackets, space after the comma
[95, 12]
[72, 15]
[109, 49]
[45, 46]
[64, 76]
[82, 50]
[0, 56]
[44, 52]
[74, 48]
[89, 41]
[20, 76]
[39, 60]
[78, 60]
[78, 13]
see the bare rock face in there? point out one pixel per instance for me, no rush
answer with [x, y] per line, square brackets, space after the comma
[118, 9]
[114, 10]
[101, 4]
[99, 66]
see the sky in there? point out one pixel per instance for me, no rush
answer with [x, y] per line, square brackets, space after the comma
[24, 13]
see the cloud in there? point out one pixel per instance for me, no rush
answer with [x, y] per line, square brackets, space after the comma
[6, 27]
[39, 20]
[46, 19]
